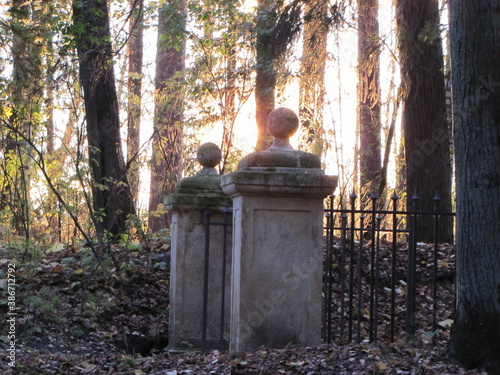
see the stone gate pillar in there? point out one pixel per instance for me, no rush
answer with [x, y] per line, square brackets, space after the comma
[277, 242]
[193, 201]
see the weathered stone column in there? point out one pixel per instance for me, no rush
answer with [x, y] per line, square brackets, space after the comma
[193, 201]
[277, 270]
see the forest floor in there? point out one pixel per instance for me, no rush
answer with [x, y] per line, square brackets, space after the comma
[78, 314]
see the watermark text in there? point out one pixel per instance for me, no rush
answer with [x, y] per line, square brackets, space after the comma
[11, 313]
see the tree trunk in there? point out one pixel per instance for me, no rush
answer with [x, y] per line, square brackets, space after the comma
[26, 96]
[475, 52]
[425, 125]
[112, 199]
[230, 110]
[312, 77]
[277, 26]
[166, 162]
[135, 58]
[265, 80]
[19, 95]
[369, 96]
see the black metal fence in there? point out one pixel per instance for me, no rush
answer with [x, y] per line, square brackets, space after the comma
[376, 273]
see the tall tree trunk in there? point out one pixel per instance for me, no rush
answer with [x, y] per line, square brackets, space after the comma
[26, 96]
[265, 80]
[230, 110]
[277, 25]
[112, 198]
[19, 96]
[369, 95]
[50, 203]
[426, 130]
[135, 59]
[166, 162]
[475, 58]
[312, 77]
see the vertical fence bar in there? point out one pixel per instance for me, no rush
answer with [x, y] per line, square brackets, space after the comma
[326, 282]
[372, 266]
[377, 274]
[394, 199]
[342, 273]
[437, 200]
[411, 287]
[351, 264]
[330, 244]
[204, 325]
[328, 277]
[360, 275]
[225, 224]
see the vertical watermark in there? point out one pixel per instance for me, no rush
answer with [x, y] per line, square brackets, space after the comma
[11, 313]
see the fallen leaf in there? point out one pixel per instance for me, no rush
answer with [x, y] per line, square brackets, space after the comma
[56, 248]
[300, 363]
[86, 367]
[380, 367]
[446, 323]
[56, 269]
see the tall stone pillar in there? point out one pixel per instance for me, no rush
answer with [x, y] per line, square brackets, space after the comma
[199, 311]
[276, 289]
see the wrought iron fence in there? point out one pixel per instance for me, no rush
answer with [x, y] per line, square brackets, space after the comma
[375, 272]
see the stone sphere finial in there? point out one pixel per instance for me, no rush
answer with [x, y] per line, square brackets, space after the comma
[282, 123]
[209, 155]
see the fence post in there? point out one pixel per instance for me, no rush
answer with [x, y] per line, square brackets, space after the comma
[351, 263]
[437, 200]
[360, 275]
[379, 221]
[226, 215]
[394, 199]
[327, 286]
[411, 287]
[342, 272]
[372, 266]
[204, 322]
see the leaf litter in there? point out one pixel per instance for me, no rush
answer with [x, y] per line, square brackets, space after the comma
[79, 318]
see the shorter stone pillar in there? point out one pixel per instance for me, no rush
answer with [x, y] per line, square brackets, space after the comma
[278, 243]
[194, 200]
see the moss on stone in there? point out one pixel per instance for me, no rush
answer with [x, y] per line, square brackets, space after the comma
[284, 159]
